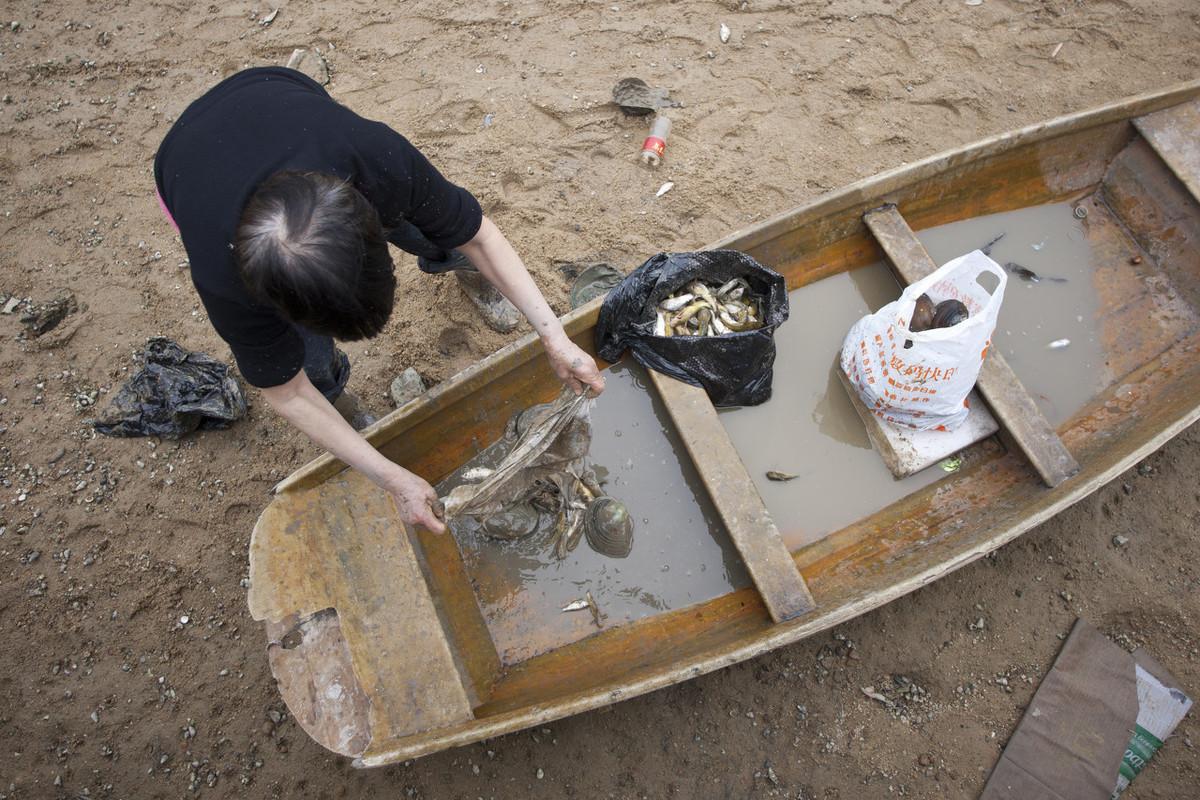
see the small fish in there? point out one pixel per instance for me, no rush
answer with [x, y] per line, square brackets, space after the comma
[987, 248]
[1058, 344]
[579, 605]
[773, 475]
[676, 302]
[595, 609]
[477, 473]
[1026, 274]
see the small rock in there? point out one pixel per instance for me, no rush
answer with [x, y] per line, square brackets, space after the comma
[925, 760]
[1145, 469]
[407, 386]
[11, 305]
[1120, 541]
[540, 774]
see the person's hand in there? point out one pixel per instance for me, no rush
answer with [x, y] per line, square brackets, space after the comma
[416, 501]
[573, 366]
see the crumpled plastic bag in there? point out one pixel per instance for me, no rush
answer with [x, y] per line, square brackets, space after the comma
[735, 369]
[558, 437]
[176, 392]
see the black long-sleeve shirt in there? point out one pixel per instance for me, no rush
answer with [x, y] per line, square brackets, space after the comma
[247, 128]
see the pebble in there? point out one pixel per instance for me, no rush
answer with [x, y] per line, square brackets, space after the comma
[407, 386]
[540, 774]
[1120, 541]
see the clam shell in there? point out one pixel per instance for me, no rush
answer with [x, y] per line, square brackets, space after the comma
[637, 98]
[609, 528]
[922, 318]
[949, 313]
[594, 282]
[514, 522]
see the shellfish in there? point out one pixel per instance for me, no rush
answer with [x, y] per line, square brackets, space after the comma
[608, 527]
[949, 313]
[515, 522]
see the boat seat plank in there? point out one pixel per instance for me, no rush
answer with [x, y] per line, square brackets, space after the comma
[906, 452]
[1009, 400]
[736, 499]
[1172, 134]
[343, 546]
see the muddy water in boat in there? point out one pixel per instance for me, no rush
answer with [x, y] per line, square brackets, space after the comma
[1061, 304]
[681, 554]
[808, 428]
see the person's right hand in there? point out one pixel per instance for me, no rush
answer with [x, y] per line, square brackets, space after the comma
[416, 501]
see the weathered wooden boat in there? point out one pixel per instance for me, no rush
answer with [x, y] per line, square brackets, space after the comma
[375, 632]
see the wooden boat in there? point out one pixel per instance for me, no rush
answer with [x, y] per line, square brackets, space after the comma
[375, 635]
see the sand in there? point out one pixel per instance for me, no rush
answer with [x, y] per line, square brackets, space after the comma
[106, 545]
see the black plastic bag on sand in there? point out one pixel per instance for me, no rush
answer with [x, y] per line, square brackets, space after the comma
[736, 368]
[176, 392]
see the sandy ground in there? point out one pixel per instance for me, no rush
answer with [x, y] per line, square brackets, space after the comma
[105, 544]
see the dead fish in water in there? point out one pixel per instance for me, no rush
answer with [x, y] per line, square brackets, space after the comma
[987, 248]
[587, 602]
[595, 609]
[773, 475]
[1026, 274]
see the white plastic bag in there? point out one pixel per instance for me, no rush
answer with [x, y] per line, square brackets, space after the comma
[926, 385]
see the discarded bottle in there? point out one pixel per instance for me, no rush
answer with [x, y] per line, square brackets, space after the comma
[656, 143]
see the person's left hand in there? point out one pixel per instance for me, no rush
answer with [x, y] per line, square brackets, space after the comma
[573, 366]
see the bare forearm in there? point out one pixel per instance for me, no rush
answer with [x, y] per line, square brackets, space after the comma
[299, 402]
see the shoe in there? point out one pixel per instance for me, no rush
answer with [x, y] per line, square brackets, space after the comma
[499, 314]
[454, 260]
[352, 409]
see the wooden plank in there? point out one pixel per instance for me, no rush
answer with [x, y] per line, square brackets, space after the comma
[1174, 133]
[736, 499]
[907, 452]
[1016, 410]
[343, 546]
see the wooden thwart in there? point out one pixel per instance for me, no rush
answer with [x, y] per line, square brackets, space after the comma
[1009, 400]
[1172, 134]
[736, 499]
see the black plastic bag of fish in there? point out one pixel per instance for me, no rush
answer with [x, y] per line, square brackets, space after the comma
[176, 392]
[732, 362]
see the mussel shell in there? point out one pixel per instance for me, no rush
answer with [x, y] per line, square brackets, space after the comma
[637, 98]
[609, 527]
[514, 522]
[949, 313]
[526, 419]
[922, 318]
[593, 282]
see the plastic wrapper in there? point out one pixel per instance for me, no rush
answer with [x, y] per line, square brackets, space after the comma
[735, 369]
[175, 393]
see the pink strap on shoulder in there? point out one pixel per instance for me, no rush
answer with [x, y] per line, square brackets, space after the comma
[163, 206]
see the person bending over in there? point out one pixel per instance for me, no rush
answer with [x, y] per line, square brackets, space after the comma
[286, 202]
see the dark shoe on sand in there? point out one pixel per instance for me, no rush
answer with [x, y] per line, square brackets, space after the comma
[499, 314]
[352, 409]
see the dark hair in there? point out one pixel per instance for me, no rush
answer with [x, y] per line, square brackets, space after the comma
[311, 245]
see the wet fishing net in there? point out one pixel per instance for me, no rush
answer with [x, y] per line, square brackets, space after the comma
[551, 440]
[176, 392]
[736, 368]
